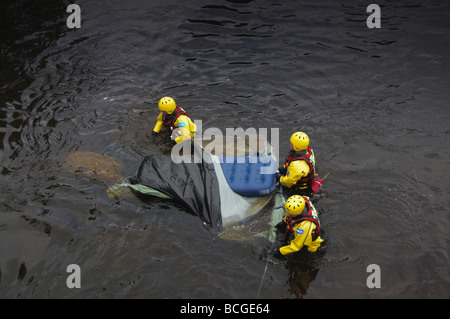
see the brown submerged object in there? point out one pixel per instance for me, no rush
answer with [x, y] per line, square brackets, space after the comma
[94, 165]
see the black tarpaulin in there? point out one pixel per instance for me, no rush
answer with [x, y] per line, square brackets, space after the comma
[192, 184]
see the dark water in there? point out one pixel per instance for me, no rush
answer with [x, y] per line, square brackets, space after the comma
[373, 101]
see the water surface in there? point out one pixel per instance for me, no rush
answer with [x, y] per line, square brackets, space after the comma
[373, 101]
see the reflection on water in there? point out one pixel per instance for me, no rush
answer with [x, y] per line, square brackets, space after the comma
[373, 101]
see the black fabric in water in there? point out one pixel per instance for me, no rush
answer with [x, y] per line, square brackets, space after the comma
[194, 185]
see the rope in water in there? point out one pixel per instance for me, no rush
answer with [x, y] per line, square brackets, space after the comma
[264, 273]
[262, 279]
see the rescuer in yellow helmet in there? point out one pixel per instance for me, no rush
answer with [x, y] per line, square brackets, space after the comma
[175, 119]
[298, 172]
[301, 225]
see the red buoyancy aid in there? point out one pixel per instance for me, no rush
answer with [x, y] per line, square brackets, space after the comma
[309, 213]
[170, 119]
[305, 155]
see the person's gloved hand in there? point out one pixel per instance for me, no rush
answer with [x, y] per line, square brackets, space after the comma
[277, 176]
[276, 254]
[281, 227]
[282, 170]
[154, 136]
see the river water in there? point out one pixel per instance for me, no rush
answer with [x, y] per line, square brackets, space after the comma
[373, 101]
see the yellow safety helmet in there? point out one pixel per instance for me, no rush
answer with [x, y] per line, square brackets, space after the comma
[167, 104]
[300, 141]
[295, 205]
